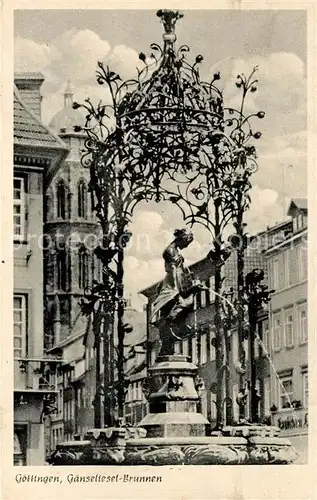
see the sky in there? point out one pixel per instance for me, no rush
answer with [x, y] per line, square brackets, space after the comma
[66, 45]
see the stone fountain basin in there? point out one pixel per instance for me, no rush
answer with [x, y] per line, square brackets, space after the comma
[119, 447]
[211, 450]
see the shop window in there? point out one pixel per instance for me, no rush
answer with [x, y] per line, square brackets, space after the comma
[285, 391]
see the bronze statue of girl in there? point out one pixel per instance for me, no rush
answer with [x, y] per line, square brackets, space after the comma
[177, 291]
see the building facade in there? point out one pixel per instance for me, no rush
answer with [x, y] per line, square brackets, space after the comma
[72, 232]
[38, 154]
[287, 385]
[281, 338]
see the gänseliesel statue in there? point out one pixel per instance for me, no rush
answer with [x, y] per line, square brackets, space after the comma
[177, 292]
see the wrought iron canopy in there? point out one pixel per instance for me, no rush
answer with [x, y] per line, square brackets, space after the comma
[173, 138]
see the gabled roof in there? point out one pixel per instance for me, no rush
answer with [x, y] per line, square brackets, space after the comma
[28, 130]
[297, 203]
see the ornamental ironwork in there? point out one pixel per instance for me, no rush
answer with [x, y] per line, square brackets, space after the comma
[167, 135]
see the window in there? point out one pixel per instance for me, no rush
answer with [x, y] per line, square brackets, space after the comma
[267, 395]
[286, 392]
[211, 289]
[60, 401]
[301, 258]
[275, 275]
[97, 268]
[203, 295]
[293, 266]
[305, 389]
[177, 347]
[19, 208]
[289, 329]
[82, 268]
[61, 200]
[302, 323]
[203, 348]
[212, 348]
[19, 326]
[300, 221]
[276, 331]
[82, 199]
[185, 347]
[61, 270]
[286, 268]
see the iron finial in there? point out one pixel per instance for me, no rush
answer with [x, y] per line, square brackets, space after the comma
[169, 18]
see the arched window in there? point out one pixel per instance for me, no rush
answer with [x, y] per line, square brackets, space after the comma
[82, 199]
[82, 268]
[61, 269]
[61, 200]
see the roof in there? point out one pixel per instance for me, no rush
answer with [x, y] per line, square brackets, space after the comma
[29, 76]
[65, 120]
[28, 130]
[300, 203]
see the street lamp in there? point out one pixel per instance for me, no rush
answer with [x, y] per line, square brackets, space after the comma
[167, 135]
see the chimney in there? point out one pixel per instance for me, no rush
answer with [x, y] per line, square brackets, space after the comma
[29, 85]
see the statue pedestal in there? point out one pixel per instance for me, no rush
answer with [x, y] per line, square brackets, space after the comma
[173, 400]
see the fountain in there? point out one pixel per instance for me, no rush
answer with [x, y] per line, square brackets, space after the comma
[173, 140]
[174, 432]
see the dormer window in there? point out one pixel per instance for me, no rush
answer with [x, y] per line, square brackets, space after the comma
[298, 222]
[298, 212]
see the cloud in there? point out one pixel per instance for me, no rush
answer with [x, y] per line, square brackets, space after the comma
[32, 56]
[281, 150]
[268, 207]
[139, 274]
[73, 55]
[281, 90]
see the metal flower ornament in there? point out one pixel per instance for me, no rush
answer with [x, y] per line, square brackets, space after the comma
[167, 135]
